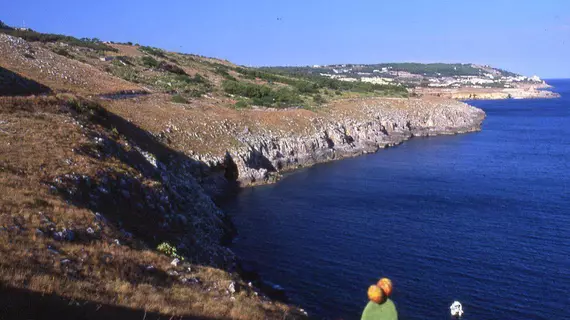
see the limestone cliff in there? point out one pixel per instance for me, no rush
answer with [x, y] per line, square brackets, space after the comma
[363, 128]
[521, 91]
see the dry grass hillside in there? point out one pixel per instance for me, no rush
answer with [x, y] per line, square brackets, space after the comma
[52, 242]
[84, 215]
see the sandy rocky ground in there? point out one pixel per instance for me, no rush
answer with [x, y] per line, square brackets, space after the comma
[112, 177]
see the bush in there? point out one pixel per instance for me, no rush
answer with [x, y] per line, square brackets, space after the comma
[198, 78]
[262, 95]
[30, 35]
[244, 89]
[153, 51]
[178, 99]
[62, 52]
[170, 68]
[169, 250]
[149, 62]
[124, 59]
[318, 99]
[223, 71]
[302, 86]
[194, 93]
[125, 72]
[241, 104]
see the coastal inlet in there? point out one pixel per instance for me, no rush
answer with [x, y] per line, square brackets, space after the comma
[481, 218]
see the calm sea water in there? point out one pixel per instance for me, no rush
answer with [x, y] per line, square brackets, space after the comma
[483, 218]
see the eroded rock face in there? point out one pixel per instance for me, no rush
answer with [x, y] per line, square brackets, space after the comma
[266, 154]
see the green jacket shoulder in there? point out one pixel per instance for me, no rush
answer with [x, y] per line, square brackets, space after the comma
[384, 311]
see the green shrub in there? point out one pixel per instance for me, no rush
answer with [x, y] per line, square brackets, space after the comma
[302, 86]
[149, 62]
[169, 250]
[262, 95]
[198, 78]
[170, 68]
[318, 99]
[62, 52]
[124, 59]
[241, 104]
[194, 93]
[30, 35]
[178, 99]
[124, 72]
[152, 51]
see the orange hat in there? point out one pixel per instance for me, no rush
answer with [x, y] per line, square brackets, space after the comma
[375, 294]
[386, 285]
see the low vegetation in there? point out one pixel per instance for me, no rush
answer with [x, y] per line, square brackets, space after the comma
[153, 51]
[34, 36]
[263, 95]
[178, 99]
[317, 81]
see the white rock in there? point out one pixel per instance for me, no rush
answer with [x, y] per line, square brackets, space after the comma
[232, 287]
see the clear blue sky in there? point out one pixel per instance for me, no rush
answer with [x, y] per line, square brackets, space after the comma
[526, 36]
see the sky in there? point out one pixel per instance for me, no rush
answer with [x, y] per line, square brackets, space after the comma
[523, 36]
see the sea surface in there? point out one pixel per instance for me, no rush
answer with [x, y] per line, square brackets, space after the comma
[483, 218]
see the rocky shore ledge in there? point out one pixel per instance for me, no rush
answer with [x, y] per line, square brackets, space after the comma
[348, 129]
[522, 91]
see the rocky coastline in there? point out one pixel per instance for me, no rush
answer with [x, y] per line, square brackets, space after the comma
[528, 91]
[264, 156]
[373, 124]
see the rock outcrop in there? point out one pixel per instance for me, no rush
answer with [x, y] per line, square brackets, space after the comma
[377, 124]
[521, 91]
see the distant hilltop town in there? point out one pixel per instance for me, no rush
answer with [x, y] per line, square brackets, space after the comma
[436, 75]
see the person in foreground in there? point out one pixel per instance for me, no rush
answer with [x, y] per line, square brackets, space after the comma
[380, 306]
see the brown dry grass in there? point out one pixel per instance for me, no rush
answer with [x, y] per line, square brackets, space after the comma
[37, 139]
[34, 61]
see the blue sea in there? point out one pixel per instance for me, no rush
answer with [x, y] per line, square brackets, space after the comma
[482, 218]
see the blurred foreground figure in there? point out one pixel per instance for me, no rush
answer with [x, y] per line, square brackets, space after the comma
[380, 307]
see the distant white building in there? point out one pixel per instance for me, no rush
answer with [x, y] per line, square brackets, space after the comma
[347, 79]
[376, 80]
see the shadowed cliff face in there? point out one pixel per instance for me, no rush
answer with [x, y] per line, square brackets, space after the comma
[13, 84]
[24, 304]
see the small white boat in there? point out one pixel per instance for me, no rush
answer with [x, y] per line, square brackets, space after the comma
[456, 309]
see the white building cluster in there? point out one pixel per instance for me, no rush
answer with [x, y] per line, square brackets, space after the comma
[485, 80]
